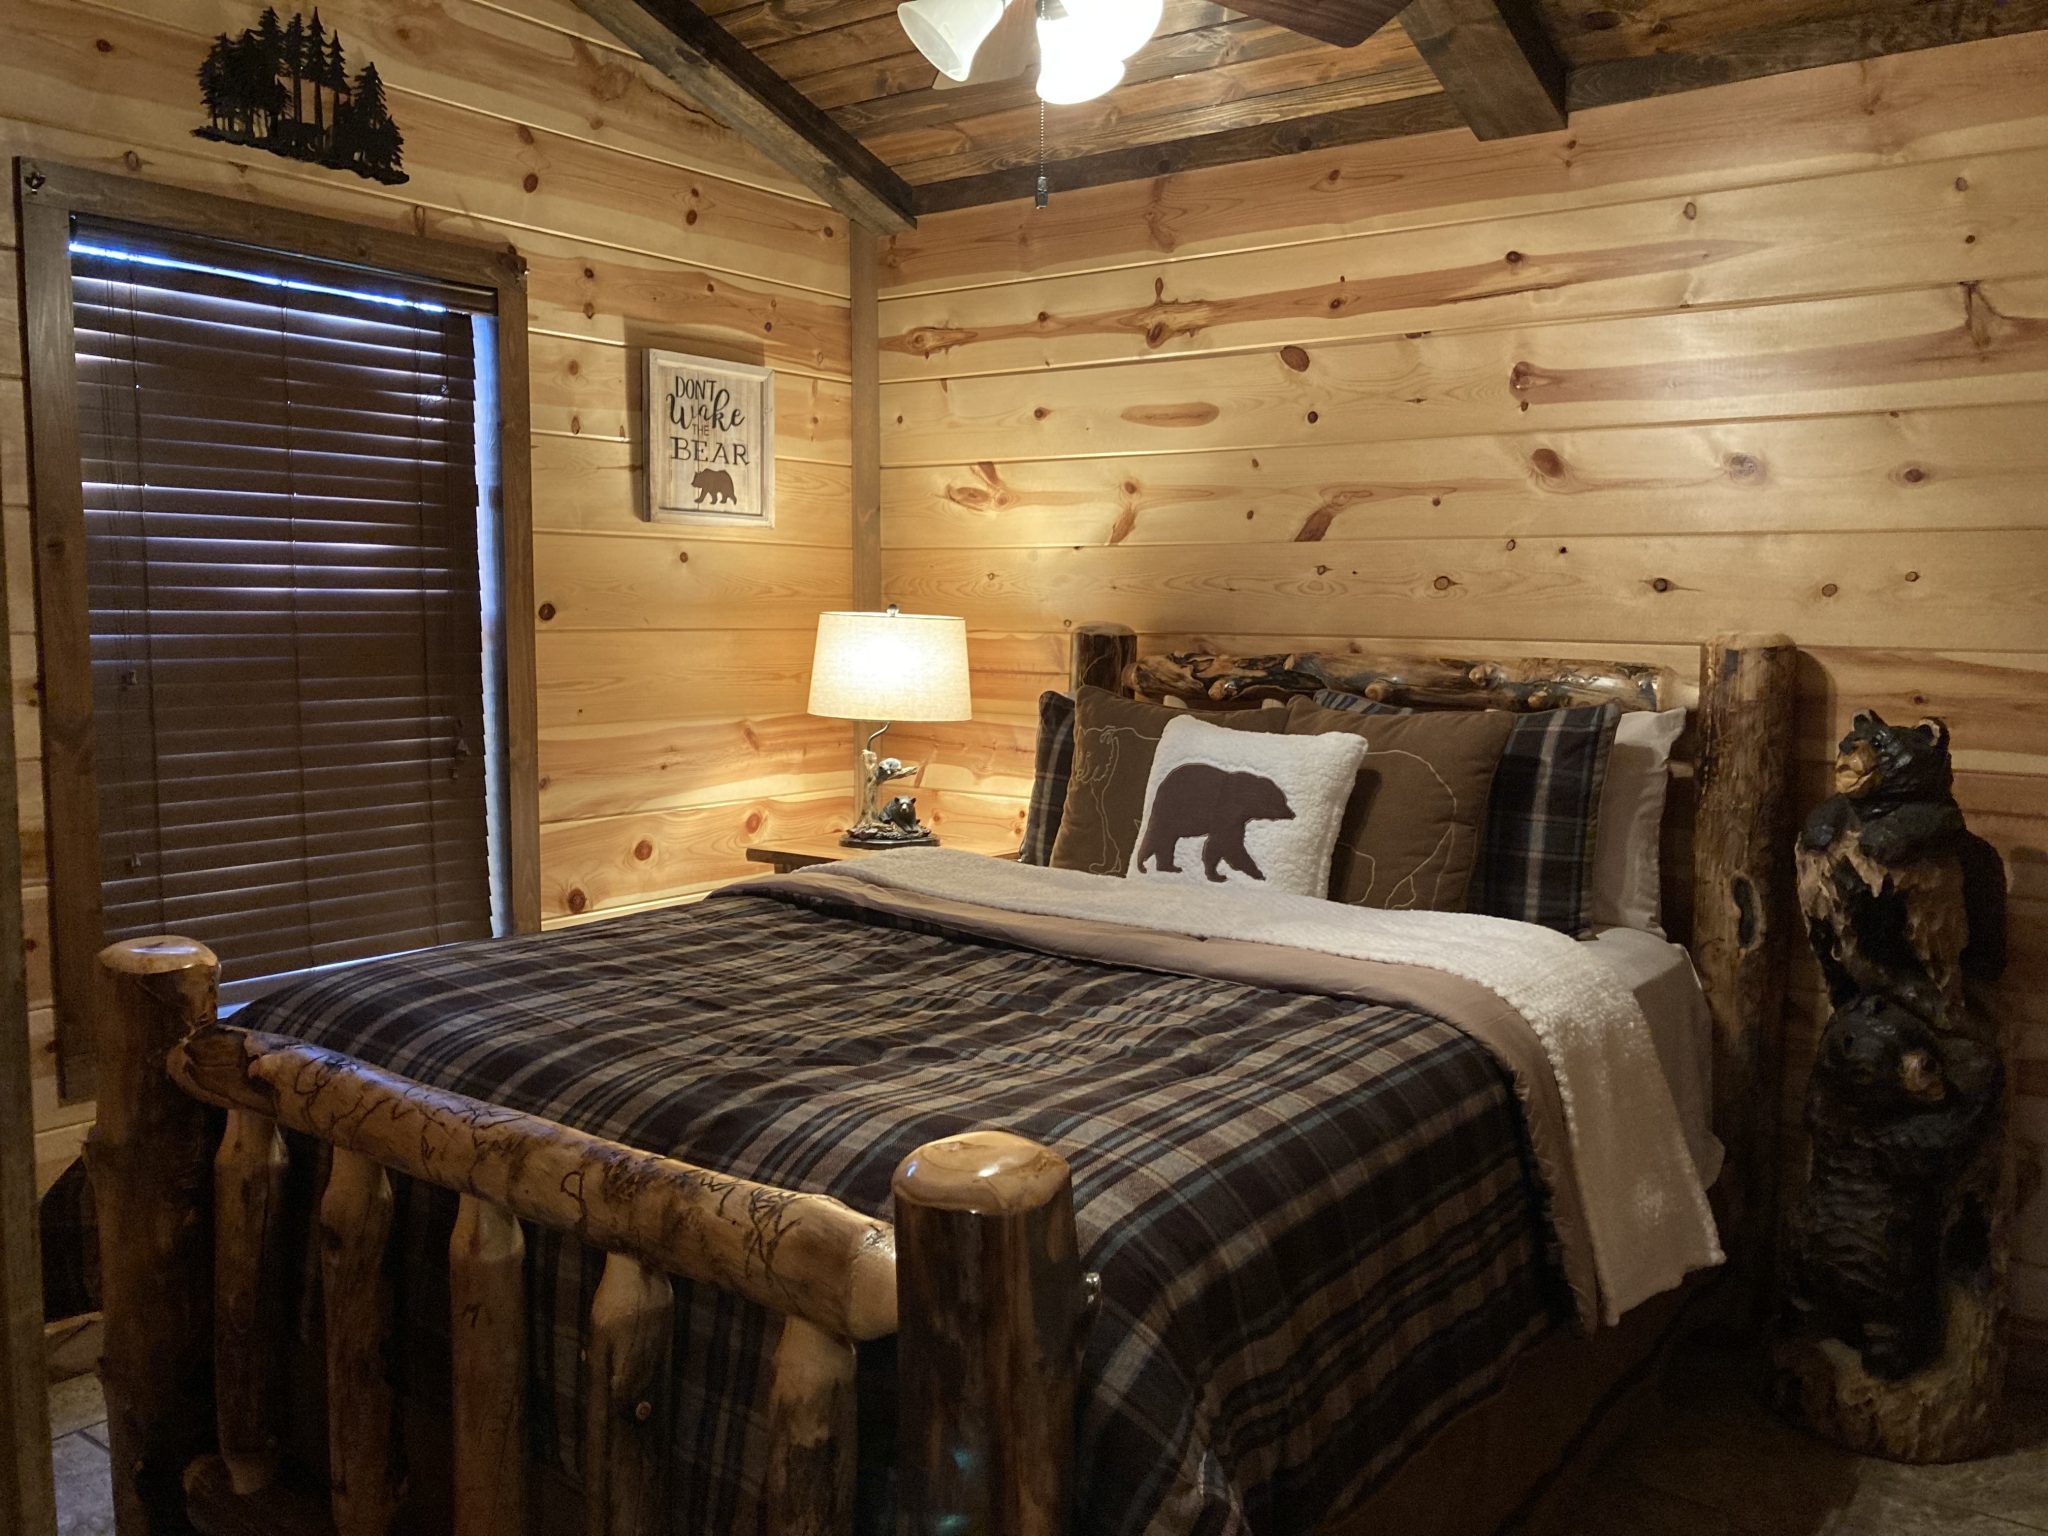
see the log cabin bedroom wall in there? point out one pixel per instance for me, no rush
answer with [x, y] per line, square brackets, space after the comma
[1768, 357]
[671, 662]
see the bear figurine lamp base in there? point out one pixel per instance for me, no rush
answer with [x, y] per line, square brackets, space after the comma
[889, 667]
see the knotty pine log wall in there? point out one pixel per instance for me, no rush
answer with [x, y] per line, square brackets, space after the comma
[672, 661]
[1773, 356]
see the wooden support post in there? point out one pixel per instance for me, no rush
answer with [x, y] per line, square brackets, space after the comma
[364, 1457]
[990, 1316]
[625, 1447]
[811, 1446]
[1744, 918]
[487, 1333]
[150, 1157]
[248, 1319]
[1103, 656]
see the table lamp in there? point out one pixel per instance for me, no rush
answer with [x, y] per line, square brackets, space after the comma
[889, 666]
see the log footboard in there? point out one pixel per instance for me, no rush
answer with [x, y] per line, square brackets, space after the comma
[981, 1270]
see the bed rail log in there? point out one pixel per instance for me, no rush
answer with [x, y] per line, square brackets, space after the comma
[192, 1221]
[831, 1266]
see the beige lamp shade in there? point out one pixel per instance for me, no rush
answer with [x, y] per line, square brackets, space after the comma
[891, 666]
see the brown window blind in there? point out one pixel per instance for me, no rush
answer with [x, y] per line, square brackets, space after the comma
[287, 614]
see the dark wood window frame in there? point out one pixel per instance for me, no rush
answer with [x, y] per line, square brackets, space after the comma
[49, 197]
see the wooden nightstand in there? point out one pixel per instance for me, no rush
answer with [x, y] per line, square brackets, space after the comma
[802, 852]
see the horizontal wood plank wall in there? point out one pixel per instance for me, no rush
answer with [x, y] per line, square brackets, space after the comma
[1773, 356]
[672, 661]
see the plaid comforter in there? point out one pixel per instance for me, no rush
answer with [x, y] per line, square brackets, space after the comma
[1317, 1227]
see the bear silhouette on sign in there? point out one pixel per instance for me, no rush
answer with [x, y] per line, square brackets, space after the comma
[1215, 804]
[714, 483]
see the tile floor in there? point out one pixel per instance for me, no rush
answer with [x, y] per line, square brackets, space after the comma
[78, 1429]
[1713, 1463]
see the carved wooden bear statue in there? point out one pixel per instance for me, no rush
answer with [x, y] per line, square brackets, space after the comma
[1896, 1246]
[1897, 1115]
[1901, 899]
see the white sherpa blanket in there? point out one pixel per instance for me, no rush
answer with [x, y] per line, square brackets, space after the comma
[1646, 1212]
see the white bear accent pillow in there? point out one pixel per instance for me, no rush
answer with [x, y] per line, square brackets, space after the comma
[1239, 808]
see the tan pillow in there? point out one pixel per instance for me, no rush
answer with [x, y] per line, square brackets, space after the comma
[1410, 835]
[1114, 742]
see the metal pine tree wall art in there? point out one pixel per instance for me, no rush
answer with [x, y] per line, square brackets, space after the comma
[285, 87]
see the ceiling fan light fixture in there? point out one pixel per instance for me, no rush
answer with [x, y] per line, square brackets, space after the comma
[949, 32]
[1073, 66]
[1118, 27]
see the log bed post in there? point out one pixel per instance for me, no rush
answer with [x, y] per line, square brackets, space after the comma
[992, 1304]
[150, 1157]
[1743, 916]
[1103, 655]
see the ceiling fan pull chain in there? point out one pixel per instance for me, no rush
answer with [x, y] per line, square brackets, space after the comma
[1042, 193]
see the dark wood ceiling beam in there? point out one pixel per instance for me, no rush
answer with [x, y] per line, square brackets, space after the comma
[727, 80]
[1810, 44]
[1494, 60]
[1356, 125]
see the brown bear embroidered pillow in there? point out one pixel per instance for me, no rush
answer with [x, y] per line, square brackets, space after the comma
[1227, 807]
[1410, 835]
[1114, 739]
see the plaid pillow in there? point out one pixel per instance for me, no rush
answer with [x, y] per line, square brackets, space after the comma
[1055, 765]
[1542, 819]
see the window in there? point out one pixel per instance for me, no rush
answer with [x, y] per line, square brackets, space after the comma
[287, 476]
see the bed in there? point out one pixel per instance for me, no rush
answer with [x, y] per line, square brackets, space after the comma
[944, 1193]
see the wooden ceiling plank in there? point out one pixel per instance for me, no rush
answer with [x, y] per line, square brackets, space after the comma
[846, 41]
[1494, 60]
[732, 84]
[1809, 44]
[1341, 23]
[757, 23]
[1379, 120]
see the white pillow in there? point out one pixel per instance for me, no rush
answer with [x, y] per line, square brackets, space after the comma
[1626, 875]
[1241, 808]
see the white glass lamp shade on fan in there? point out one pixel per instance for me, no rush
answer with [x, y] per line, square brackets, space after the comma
[1070, 68]
[1081, 50]
[950, 32]
[887, 667]
[1081, 44]
[1118, 28]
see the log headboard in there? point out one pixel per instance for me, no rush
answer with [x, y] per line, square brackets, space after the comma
[1727, 826]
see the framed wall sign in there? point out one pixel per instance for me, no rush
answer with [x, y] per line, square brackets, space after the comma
[710, 440]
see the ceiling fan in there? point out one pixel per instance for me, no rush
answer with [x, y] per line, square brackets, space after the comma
[1080, 46]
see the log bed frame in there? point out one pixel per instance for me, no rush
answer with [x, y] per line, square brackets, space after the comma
[978, 1277]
